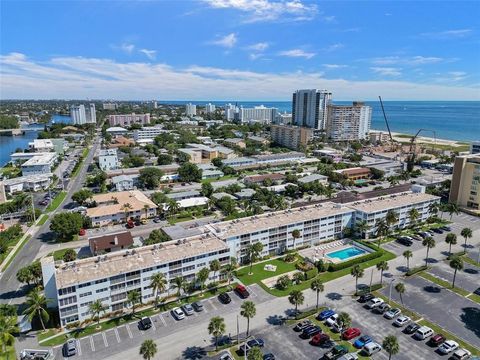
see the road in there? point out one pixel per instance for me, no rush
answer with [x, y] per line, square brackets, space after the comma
[12, 290]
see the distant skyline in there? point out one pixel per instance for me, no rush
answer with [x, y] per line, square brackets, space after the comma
[239, 49]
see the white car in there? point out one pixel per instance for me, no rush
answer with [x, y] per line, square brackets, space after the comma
[178, 313]
[349, 356]
[372, 304]
[331, 320]
[336, 328]
[401, 321]
[390, 314]
[371, 348]
[461, 354]
[448, 346]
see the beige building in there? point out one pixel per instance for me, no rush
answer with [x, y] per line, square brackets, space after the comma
[292, 137]
[200, 153]
[465, 188]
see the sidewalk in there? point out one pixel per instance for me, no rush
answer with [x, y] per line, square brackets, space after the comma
[7, 261]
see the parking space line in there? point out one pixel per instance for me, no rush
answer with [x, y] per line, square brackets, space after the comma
[116, 335]
[251, 291]
[211, 303]
[91, 343]
[105, 339]
[79, 348]
[153, 326]
[163, 320]
[129, 331]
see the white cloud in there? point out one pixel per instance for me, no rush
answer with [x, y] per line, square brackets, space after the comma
[80, 78]
[334, 47]
[261, 46]
[297, 53]
[410, 61]
[334, 66]
[128, 48]
[387, 71]
[268, 10]
[227, 41]
[151, 54]
[448, 34]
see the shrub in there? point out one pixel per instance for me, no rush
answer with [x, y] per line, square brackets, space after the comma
[290, 257]
[73, 325]
[321, 266]
[283, 282]
[298, 277]
[416, 270]
[310, 274]
[304, 266]
[359, 260]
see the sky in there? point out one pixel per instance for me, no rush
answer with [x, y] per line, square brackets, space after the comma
[239, 49]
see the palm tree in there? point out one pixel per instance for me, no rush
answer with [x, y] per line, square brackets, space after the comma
[24, 275]
[36, 306]
[382, 266]
[133, 298]
[413, 215]
[407, 254]
[173, 207]
[357, 272]
[400, 288]
[216, 327]
[344, 320]
[296, 298]
[146, 208]
[382, 229]
[429, 242]
[202, 278]
[8, 327]
[456, 264]
[433, 208]
[158, 283]
[96, 308]
[178, 283]
[390, 344]
[362, 227]
[248, 311]
[452, 209]
[466, 234]
[451, 239]
[391, 218]
[228, 271]
[295, 235]
[126, 209]
[318, 287]
[253, 253]
[148, 349]
[215, 266]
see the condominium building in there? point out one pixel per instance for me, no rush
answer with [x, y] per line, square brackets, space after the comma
[110, 106]
[292, 137]
[231, 111]
[262, 114]
[148, 132]
[209, 108]
[41, 145]
[129, 119]
[108, 159]
[465, 187]
[200, 153]
[309, 108]
[191, 110]
[347, 123]
[91, 114]
[40, 164]
[27, 183]
[78, 115]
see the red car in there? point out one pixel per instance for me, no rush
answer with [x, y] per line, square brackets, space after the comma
[320, 339]
[437, 340]
[351, 333]
[242, 291]
[82, 232]
[130, 224]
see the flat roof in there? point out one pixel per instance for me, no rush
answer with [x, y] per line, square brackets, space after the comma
[275, 219]
[135, 198]
[123, 261]
[28, 178]
[43, 159]
[393, 201]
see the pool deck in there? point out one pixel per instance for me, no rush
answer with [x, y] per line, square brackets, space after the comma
[320, 251]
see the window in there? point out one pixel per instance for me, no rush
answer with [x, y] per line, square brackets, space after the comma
[100, 281]
[68, 300]
[66, 291]
[86, 294]
[101, 290]
[84, 285]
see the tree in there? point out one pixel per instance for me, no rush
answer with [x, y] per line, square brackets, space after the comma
[69, 255]
[451, 239]
[318, 287]
[228, 271]
[96, 308]
[433, 208]
[248, 311]
[253, 253]
[172, 207]
[207, 189]
[215, 266]
[150, 177]
[24, 275]
[296, 298]
[357, 272]
[466, 234]
[146, 208]
[178, 283]
[390, 344]
[126, 209]
[456, 264]
[295, 235]
[216, 327]
[202, 278]
[37, 306]
[164, 159]
[391, 218]
[382, 229]
[66, 225]
[429, 242]
[158, 283]
[400, 289]
[382, 266]
[407, 254]
[189, 172]
[217, 162]
[8, 327]
[413, 215]
[452, 209]
[82, 196]
[255, 353]
[344, 320]
[362, 227]
[133, 298]
[157, 236]
[148, 349]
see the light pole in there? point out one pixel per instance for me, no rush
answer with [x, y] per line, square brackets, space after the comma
[390, 291]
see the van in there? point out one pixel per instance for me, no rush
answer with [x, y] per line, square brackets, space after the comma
[461, 354]
[423, 333]
[371, 348]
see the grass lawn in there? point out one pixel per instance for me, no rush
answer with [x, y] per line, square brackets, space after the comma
[43, 219]
[258, 273]
[226, 177]
[80, 162]
[174, 220]
[470, 260]
[15, 254]
[56, 202]
[58, 254]
[474, 297]
[443, 283]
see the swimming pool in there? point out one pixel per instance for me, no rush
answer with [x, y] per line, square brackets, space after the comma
[346, 253]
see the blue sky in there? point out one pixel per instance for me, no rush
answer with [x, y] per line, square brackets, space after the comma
[240, 49]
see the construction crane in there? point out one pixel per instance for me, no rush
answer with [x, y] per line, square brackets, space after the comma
[393, 143]
[413, 148]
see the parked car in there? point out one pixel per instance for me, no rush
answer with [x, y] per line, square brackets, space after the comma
[302, 325]
[336, 328]
[224, 298]
[382, 308]
[336, 352]
[255, 342]
[320, 339]
[310, 331]
[145, 323]
[446, 228]
[411, 328]
[390, 314]
[365, 297]
[448, 346]
[477, 291]
[156, 221]
[371, 348]
[424, 234]
[178, 313]
[372, 304]
[437, 231]
[188, 309]
[404, 241]
[43, 202]
[143, 221]
[417, 237]
[242, 291]
[351, 333]
[70, 347]
[362, 341]
[437, 340]
[325, 314]
[82, 232]
[269, 356]
[349, 356]
[401, 321]
[423, 333]
[130, 224]
[225, 357]
[461, 354]
[331, 320]
[198, 306]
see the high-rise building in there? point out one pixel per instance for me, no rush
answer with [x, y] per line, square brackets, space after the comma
[292, 137]
[230, 111]
[110, 106]
[349, 122]
[78, 114]
[209, 108]
[309, 108]
[91, 114]
[465, 188]
[191, 110]
[260, 113]
[129, 119]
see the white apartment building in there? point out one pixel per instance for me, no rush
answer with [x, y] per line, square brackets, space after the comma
[190, 109]
[129, 119]
[110, 106]
[91, 114]
[209, 108]
[78, 114]
[124, 182]
[231, 111]
[347, 123]
[108, 159]
[40, 164]
[309, 108]
[27, 183]
[148, 133]
[260, 114]
[41, 145]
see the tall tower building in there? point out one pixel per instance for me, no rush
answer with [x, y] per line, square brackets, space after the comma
[351, 122]
[191, 110]
[78, 115]
[91, 114]
[209, 108]
[309, 108]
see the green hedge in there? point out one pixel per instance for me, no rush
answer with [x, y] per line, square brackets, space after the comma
[310, 274]
[369, 289]
[359, 260]
[415, 270]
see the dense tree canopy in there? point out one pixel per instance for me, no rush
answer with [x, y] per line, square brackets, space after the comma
[150, 177]
[66, 225]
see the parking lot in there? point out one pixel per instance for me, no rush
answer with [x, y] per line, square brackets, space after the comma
[468, 278]
[129, 335]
